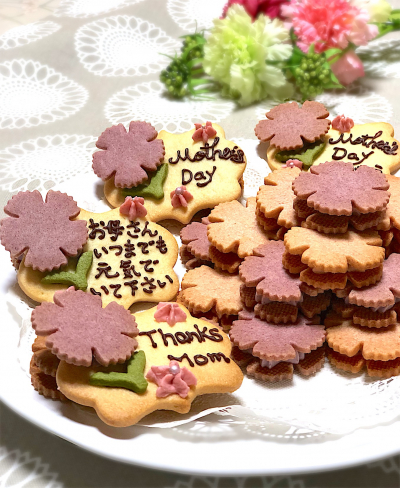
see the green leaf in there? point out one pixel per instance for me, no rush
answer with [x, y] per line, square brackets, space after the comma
[395, 15]
[307, 154]
[75, 278]
[152, 189]
[133, 379]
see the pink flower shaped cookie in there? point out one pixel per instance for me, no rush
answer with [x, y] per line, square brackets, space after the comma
[180, 197]
[170, 313]
[288, 125]
[133, 208]
[128, 156]
[203, 132]
[171, 379]
[44, 230]
[80, 330]
[336, 188]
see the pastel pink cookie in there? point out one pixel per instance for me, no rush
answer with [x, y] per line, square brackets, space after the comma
[128, 156]
[171, 379]
[43, 229]
[80, 330]
[133, 208]
[170, 313]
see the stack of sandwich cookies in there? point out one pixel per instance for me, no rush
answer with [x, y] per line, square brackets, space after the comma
[275, 293]
[271, 352]
[335, 195]
[212, 294]
[275, 210]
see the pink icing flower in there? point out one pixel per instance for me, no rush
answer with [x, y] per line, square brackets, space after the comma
[271, 8]
[203, 132]
[293, 163]
[342, 123]
[348, 68]
[133, 208]
[169, 312]
[328, 24]
[171, 379]
[180, 197]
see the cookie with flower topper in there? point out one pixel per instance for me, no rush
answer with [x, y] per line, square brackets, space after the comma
[169, 360]
[176, 174]
[117, 255]
[301, 137]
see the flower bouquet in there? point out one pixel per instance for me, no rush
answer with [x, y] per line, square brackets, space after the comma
[278, 49]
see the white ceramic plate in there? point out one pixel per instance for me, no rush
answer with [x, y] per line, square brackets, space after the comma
[209, 446]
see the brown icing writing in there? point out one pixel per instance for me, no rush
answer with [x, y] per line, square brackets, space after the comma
[199, 359]
[209, 152]
[187, 177]
[185, 337]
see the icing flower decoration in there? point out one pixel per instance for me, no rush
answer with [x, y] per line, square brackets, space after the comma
[171, 379]
[170, 313]
[133, 208]
[128, 156]
[329, 24]
[342, 123]
[288, 125]
[180, 197]
[44, 230]
[79, 329]
[293, 163]
[203, 132]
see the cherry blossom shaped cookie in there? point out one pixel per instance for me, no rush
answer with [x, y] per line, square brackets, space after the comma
[370, 145]
[265, 271]
[288, 125]
[195, 249]
[234, 228]
[211, 173]
[127, 156]
[335, 188]
[273, 342]
[205, 289]
[79, 329]
[339, 253]
[132, 261]
[382, 344]
[275, 199]
[193, 351]
[385, 293]
[46, 232]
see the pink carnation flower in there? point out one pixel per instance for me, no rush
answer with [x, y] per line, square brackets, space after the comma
[271, 8]
[328, 24]
[348, 68]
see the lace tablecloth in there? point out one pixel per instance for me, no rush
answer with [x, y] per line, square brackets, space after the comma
[68, 70]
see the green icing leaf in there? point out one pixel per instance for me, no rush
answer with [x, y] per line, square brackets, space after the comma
[307, 154]
[152, 189]
[133, 379]
[75, 278]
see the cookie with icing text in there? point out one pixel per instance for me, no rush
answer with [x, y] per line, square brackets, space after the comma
[196, 173]
[371, 145]
[126, 259]
[178, 358]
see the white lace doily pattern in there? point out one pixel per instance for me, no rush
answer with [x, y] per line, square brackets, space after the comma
[124, 46]
[32, 93]
[381, 58]
[21, 470]
[39, 164]
[193, 14]
[25, 34]
[147, 101]
[80, 9]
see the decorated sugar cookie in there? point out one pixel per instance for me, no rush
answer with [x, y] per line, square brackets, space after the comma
[178, 358]
[364, 144]
[118, 255]
[200, 169]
